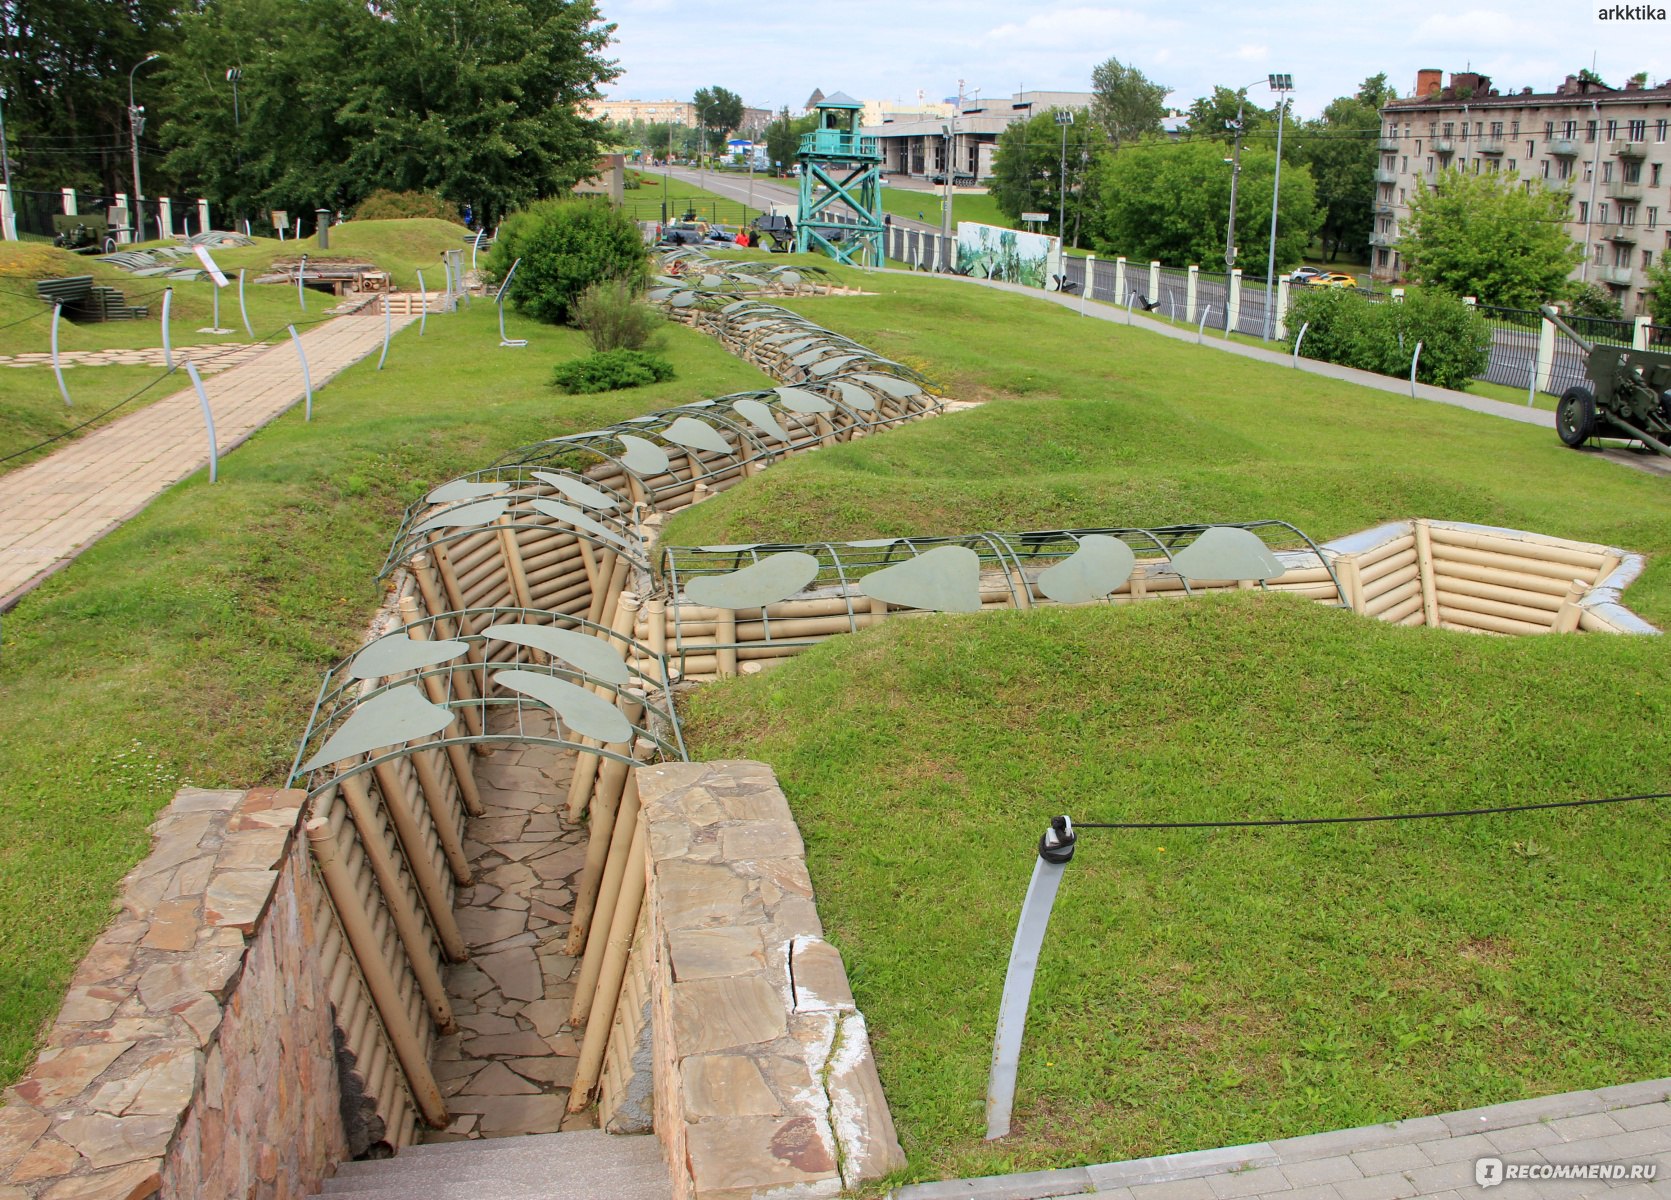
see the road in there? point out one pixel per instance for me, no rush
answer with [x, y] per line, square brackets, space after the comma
[767, 190]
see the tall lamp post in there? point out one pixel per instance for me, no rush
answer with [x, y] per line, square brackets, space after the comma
[136, 121]
[8, 222]
[1236, 127]
[1064, 118]
[1282, 85]
[950, 130]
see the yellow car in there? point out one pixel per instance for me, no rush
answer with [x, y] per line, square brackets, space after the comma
[1333, 279]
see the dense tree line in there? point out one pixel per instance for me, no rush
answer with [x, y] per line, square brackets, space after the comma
[476, 100]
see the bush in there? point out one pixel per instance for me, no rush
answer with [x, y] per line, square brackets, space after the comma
[611, 371]
[1349, 329]
[565, 246]
[1596, 301]
[614, 318]
[396, 206]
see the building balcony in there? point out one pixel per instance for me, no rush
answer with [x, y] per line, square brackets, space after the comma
[1387, 143]
[1383, 239]
[839, 144]
[1563, 147]
[1385, 175]
[1620, 233]
[1636, 150]
[1443, 146]
[1489, 146]
[1618, 276]
[1630, 193]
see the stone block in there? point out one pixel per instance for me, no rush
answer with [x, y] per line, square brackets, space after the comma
[136, 1181]
[751, 840]
[60, 1075]
[697, 895]
[48, 1159]
[236, 899]
[719, 1014]
[716, 953]
[750, 1156]
[858, 1110]
[726, 1085]
[818, 977]
[107, 1141]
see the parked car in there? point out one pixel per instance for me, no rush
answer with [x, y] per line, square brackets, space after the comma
[1334, 279]
[1306, 274]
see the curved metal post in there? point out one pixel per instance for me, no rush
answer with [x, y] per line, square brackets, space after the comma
[307, 382]
[388, 328]
[214, 319]
[476, 245]
[301, 295]
[1129, 297]
[1201, 329]
[1414, 359]
[57, 310]
[423, 296]
[1054, 852]
[1297, 342]
[500, 299]
[208, 421]
[243, 309]
[167, 349]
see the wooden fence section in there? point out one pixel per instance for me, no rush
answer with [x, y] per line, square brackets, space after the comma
[1472, 578]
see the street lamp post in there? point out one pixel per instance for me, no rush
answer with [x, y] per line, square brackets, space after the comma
[1282, 85]
[136, 120]
[1235, 174]
[8, 230]
[1064, 118]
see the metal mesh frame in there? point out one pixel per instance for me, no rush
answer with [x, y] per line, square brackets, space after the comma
[340, 693]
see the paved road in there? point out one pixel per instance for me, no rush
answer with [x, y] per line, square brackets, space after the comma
[776, 191]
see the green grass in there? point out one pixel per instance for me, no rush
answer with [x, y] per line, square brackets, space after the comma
[187, 646]
[1209, 988]
[32, 408]
[966, 206]
[644, 203]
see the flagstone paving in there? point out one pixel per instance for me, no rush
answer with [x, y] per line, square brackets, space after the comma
[211, 358]
[508, 1069]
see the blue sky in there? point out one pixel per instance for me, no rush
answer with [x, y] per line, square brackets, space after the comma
[774, 52]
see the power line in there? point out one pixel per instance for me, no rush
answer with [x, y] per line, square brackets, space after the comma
[1276, 822]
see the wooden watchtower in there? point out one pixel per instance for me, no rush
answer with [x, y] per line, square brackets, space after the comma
[841, 186]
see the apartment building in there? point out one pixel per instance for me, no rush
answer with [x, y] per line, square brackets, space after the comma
[1610, 148]
[670, 112]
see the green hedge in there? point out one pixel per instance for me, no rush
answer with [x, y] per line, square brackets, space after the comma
[610, 371]
[1347, 328]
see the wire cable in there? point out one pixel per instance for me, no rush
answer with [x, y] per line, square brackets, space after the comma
[1275, 822]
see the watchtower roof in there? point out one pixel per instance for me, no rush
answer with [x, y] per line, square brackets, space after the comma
[839, 100]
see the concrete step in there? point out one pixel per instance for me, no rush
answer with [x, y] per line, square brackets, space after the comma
[582, 1165]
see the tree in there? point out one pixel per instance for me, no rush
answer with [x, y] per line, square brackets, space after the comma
[1214, 116]
[1171, 201]
[720, 112]
[1658, 295]
[1127, 104]
[1340, 149]
[1027, 169]
[783, 138]
[1490, 237]
[478, 101]
[565, 247]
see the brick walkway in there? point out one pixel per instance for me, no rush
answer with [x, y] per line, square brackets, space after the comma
[211, 357]
[1428, 1157]
[52, 510]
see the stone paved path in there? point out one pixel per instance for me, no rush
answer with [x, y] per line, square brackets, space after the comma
[1433, 1158]
[52, 510]
[211, 358]
[508, 1070]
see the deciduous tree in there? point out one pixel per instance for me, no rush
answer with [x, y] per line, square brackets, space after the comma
[1340, 149]
[1027, 170]
[1490, 236]
[1127, 104]
[720, 112]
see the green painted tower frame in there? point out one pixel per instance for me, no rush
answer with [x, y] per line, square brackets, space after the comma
[849, 166]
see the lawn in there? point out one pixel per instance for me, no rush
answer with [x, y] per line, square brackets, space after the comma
[32, 408]
[644, 203]
[187, 646]
[1207, 988]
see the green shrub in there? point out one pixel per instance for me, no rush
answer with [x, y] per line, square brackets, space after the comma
[385, 205]
[1596, 301]
[611, 371]
[565, 246]
[1347, 328]
[614, 318]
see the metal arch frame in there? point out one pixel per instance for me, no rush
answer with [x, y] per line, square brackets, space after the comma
[409, 544]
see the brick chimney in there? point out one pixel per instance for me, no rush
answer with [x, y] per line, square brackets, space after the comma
[1428, 82]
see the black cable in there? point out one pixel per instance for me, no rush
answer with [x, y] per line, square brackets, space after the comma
[1270, 822]
[30, 317]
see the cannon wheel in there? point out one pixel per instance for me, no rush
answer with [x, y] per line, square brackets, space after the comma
[1575, 416]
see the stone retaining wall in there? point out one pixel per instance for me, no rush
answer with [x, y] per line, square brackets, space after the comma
[194, 1054]
[764, 1079]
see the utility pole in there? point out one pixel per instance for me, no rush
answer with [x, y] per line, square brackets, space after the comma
[136, 122]
[8, 222]
[1235, 175]
[1281, 85]
[1064, 118]
[951, 147]
[1590, 208]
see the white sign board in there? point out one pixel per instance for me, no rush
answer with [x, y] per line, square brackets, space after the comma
[209, 266]
[1040, 218]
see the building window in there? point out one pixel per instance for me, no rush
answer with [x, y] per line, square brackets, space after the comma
[1563, 169]
[1548, 130]
[1418, 147]
[1653, 174]
[1380, 258]
[1496, 130]
[1479, 129]
[1401, 195]
[1653, 217]
[1546, 168]
[1570, 129]
[1639, 130]
[1430, 164]
[1612, 129]
[1632, 171]
[1405, 168]
[1601, 213]
[1607, 171]
[1514, 129]
[1531, 149]
[1583, 212]
[1511, 166]
[1659, 130]
[1406, 129]
[1647, 259]
[1433, 131]
[1589, 131]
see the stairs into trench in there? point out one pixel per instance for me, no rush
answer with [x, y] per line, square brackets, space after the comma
[583, 1165]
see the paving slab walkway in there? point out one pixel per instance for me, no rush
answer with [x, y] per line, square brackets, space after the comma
[1625, 1130]
[211, 357]
[508, 1070]
[53, 509]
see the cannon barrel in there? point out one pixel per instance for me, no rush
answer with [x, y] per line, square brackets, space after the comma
[1555, 319]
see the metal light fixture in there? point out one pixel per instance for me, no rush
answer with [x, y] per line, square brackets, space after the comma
[1282, 85]
[136, 123]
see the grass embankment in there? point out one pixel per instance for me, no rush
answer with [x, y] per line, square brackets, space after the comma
[1207, 988]
[187, 646]
[644, 203]
[32, 409]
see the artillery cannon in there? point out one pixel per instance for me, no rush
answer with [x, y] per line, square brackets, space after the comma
[1629, 395]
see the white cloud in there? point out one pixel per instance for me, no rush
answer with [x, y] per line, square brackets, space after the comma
[1253, 53]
